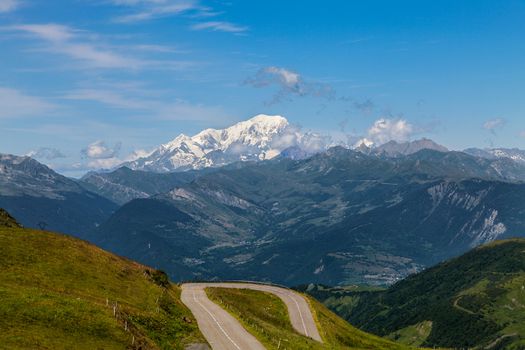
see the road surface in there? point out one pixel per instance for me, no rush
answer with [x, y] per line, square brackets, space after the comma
[220, 329]
[224, 332]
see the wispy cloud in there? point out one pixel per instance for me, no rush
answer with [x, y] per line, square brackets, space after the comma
[140, 102]
[71, 42]
[156, 9]
[15, 104]
[9, 5]
[146, 10]
[107, 97]
[218, 26]
[493, 125]
[290, 84]
[88, 50]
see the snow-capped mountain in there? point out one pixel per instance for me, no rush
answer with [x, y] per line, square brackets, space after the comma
[259, 138]
[515, 154]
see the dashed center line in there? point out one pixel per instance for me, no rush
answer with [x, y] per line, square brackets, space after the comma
[217, 322]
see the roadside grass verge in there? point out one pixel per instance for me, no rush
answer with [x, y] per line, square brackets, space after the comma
[266, 317]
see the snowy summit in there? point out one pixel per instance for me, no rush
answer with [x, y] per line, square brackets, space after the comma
[259, 138]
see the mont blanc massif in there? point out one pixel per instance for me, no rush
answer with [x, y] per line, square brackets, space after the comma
[262, 200]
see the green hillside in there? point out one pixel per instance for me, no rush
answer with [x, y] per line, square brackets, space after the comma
[265, 316]
[477, 299]
[58, 292]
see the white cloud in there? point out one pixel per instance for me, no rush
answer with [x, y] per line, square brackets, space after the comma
[98, 155]
[15, 104]
[218, 26]
[47, 153]
[9, 5]
[384, 130]
[100, 150]
[294, 136]
[145, 10]
[287, 77]
[290, 83]
[97, 164]
[136, 154]
[493, 124]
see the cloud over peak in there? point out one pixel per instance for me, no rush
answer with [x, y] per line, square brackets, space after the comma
[100, 150]
[47, 153]
[384, 130]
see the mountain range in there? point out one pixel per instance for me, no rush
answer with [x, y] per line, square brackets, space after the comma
[280, 205]
[340, 216]
[264, 137]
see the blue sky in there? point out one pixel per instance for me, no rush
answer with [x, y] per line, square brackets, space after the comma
[128, 75]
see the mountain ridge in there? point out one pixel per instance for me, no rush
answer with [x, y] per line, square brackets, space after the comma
[514, 154]
[39, 197]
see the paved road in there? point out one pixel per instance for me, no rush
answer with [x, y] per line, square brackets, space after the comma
[220, 329]
[214, 321]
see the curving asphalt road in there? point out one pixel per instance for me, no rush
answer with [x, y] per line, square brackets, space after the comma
[221, 330]
[224, 332]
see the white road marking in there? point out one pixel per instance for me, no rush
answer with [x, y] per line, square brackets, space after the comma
[301, 315]
[214, 319]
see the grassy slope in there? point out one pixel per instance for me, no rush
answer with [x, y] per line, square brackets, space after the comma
[265, 316]
[58, 292]
[476, 299]
[414, 335]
